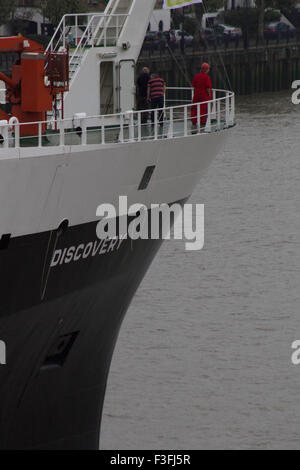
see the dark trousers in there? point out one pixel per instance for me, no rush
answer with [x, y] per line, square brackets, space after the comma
[157, 103]
[142, 103]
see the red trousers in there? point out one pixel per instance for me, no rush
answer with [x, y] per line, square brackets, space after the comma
[203, 110]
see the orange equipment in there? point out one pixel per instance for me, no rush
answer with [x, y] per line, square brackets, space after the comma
[36, 80]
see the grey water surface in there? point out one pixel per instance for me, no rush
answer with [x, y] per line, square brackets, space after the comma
[203, 360]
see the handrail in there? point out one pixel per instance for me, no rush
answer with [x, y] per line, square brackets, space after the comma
[104, 22]
[168, 122]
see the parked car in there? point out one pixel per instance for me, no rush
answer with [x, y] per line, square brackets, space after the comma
[155, 40]
[188, 39]
[278, 29]
[226, 32]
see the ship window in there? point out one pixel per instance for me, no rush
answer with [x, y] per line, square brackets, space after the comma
[146, 177]
[106, 88]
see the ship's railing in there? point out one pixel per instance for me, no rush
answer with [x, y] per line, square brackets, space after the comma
[89, 29]
[167, 123]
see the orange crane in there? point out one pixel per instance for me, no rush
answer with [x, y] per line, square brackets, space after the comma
[36, 79]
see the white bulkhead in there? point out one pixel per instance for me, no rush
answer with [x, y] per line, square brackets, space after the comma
[102, 68]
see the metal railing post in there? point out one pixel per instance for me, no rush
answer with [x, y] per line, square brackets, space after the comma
[171, 127]
[213, 110]
[198, 118]
[185, 124]
[219, 114]
[155, 125]
[17, 135]
[102, 131]
[61, 133]
[40, 142]
[121, 136]
[139, 124]
[84, 132]
[208, 118]
[131, 127]
[227, 109]
[232, 110]
[14, 125]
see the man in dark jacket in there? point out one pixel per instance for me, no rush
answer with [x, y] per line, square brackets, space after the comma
[142, 87]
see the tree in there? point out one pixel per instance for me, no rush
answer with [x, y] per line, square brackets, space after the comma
[260, 4]
[280, 4]
[54, 10]
[245, 18]
[6, 10]
[209, 6]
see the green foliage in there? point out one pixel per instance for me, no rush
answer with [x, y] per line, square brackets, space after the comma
[190, 25]
[199, 9]
[43, 40]
[272, 15]
[281, 4]
[7, 9]
[54, 10]
[208, 6]
[245, 18]
[248, 18]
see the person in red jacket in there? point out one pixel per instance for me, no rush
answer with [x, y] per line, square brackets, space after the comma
[202, 92]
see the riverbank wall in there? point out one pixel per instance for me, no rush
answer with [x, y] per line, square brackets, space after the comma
[255, 70]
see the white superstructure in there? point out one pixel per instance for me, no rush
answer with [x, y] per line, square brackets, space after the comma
[103, 58]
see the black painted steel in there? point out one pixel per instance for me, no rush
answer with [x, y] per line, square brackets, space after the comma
[63, 299]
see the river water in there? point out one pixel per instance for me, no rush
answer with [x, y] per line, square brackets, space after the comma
[204, 356]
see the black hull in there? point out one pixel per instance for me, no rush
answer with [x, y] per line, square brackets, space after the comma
[60, 326]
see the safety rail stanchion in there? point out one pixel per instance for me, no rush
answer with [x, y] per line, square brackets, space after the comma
[227, 109]
[131, 127]
[171, 126]
[139, 124]
[213, 110]
[61, 133]
[232, 110]
[17, 135]
[155, 125]
[198, 118]
[14, 127]
[219, 114]
[40, 141]
[208, 117]
[121, 135]
[185, 123]
[83, 132]
[102, 131]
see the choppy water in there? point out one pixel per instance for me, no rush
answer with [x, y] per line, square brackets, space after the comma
[204, 356]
